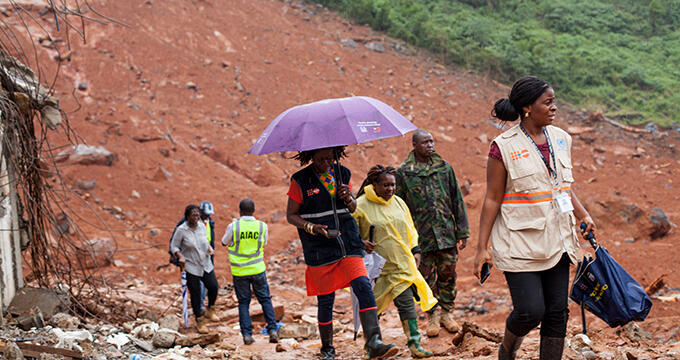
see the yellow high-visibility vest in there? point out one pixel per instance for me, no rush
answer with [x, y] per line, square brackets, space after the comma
[246, 254]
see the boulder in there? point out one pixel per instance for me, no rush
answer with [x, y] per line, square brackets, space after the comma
[164, 338]
[170, 322]
[376, 46]
[660, 224]
[12, 352]
[65, 321]
[32, 319]
[86, 155]
[634, 332]
[96, 253]
[581, 342]
[189, 341]
[297, 331]
[85, 185]
[349, 43]
[48, 301]
[51, 116]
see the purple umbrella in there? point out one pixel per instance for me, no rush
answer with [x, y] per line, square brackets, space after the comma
[329, 123]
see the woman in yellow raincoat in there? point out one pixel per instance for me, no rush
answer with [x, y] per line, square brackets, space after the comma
[396, 240]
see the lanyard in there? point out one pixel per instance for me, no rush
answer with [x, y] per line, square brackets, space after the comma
[553, 173]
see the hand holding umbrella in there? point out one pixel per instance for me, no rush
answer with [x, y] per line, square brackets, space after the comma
[332, 123]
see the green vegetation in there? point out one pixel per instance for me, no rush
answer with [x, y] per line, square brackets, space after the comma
[622, 56]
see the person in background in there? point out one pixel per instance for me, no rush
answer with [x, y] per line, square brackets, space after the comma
[396, 240]
[320, 202]
[245, 238]
[428, 185]
[193, 251]
[530, 214]
[206, 210]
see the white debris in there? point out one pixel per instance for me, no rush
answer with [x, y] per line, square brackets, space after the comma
[118, 339]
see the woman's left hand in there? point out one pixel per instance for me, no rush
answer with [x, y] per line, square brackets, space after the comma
[369, 246]
[211, 251]
[590, 225]
[417, 257]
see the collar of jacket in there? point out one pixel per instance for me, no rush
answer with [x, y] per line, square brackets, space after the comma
[373, 197]
[413, 167]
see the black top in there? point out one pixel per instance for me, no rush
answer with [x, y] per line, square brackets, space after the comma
[317, 207]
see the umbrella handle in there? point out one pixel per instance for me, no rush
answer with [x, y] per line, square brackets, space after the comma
[590, 236]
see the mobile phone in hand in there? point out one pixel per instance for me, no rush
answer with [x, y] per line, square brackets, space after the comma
[333, 233]
[484, 274]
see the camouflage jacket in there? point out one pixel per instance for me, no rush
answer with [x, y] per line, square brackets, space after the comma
[432, 194]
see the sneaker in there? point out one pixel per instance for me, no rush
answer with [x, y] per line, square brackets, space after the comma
[273, 336]
[248, 339]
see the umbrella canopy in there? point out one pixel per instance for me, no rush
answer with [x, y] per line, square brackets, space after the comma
[329, 123]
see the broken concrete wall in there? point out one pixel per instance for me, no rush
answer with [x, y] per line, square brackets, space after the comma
[11, 277]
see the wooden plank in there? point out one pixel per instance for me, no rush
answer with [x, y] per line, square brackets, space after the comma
[40, 349]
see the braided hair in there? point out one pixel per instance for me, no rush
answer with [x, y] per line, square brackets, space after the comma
[374, 174]
[304, 157]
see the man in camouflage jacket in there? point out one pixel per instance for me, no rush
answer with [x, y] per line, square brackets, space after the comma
[428, 185]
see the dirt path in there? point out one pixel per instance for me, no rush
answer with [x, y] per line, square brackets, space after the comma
[206, 77]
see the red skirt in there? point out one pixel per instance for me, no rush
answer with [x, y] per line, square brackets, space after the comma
[322, 280]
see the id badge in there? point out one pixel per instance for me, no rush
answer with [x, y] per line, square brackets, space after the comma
[564, 203]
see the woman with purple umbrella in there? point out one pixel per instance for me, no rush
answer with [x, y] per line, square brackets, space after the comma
[320, 202]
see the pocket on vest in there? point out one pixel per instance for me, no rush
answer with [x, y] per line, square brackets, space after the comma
[524, 179]
[525, 217]
[567, 175]
[527, 237]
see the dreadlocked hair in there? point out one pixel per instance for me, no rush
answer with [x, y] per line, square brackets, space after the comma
[374, 174]
[304, 157]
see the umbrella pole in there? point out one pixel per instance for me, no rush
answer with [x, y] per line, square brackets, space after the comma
[338, 178]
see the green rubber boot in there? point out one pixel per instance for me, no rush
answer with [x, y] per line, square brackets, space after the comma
[411, 330]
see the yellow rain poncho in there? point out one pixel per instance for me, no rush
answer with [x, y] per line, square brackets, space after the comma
[394, 237]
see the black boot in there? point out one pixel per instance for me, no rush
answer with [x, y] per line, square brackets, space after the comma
[551, 348]
[326, 335]
[374, 347]
[509, 346]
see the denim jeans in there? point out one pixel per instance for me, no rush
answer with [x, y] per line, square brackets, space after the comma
[260, 287]
[204, 292]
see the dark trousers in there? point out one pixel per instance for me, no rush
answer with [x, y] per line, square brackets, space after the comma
[540, 298]
[405, 305]
[439, 270]
[361, 288]
[242, 285]
[194, 285]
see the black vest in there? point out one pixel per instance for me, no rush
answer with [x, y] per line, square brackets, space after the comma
[318, 209]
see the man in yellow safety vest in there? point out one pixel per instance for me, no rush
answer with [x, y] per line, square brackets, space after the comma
[245, 238]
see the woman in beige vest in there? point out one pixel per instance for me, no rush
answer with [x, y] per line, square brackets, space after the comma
[530, 214]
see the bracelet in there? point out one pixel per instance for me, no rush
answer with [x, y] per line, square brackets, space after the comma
[309, 228]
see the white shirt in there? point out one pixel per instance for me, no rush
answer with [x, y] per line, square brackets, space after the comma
[228, 238]
[193, 244]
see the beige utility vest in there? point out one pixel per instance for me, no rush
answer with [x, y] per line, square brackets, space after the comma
[530, 233]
